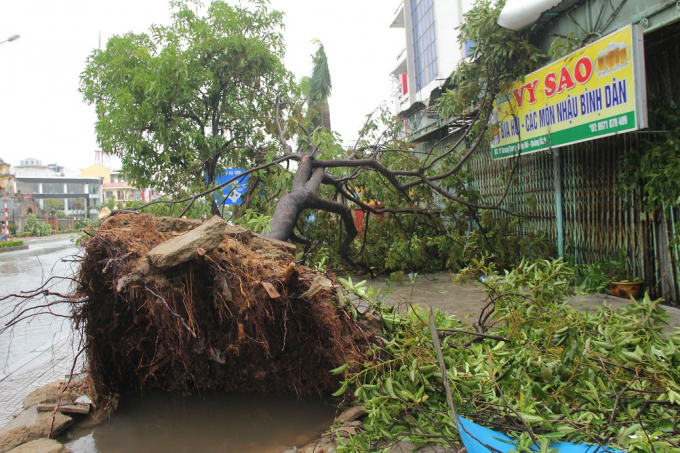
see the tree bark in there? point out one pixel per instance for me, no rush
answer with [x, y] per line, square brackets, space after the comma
[303, 195]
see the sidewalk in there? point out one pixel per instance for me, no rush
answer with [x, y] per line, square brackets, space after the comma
[42, 365]
[37, 351]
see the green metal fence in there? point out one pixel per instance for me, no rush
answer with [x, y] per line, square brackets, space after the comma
[599, 219]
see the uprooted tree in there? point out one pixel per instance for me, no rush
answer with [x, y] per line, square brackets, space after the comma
[192, 98]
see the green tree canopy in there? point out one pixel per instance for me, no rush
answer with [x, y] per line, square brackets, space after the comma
[52, 205]
[183, 102]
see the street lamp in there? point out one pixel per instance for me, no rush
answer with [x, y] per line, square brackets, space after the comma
[11, 38]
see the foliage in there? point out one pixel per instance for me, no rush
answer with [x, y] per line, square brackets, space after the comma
[183, 102]
[549, 371]
[447, 238]
[11, 244]
[35, 228]
[596, 277]
[110, 203]
[12, 227]
[53, 205]
[320, 88]
[592, 278]
[427, 232]
[564, 45]
[196, 211]
[254, 221]
[82, 223]
[77, 205]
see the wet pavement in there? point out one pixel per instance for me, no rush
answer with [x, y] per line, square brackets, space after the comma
[38, 350]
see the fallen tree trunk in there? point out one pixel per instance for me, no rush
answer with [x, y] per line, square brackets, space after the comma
[188, 313]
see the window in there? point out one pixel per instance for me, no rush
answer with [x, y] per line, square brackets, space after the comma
[28, 187]
[425, 54]
[75, 188]
[53, 187]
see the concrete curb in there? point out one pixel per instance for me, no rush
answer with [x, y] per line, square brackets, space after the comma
[13, 249]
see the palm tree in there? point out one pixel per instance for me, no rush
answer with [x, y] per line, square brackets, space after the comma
[320, 88]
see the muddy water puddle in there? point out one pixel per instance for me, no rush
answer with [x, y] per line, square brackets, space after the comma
[206, 423]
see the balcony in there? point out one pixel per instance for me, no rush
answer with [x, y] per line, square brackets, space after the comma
[401, 101]
[398, 21]
[423, 125]
[401, 67]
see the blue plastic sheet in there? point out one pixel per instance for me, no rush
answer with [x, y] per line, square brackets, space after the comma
[478, 439]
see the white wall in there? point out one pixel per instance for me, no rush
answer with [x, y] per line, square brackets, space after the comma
[448, 16]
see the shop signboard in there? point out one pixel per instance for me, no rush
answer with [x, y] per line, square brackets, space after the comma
[597, 91]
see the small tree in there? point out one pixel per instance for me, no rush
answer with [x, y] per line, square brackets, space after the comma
[77, 205]
[35, 228]
[52, 205]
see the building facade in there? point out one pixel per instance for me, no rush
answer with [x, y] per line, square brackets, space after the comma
[79, 195]
[573, 195]
[431, 53]
[120, 190]
[6, 180]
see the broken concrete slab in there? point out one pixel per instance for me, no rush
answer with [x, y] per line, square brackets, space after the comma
[326, 444]
[184, 247]
[48, 393]
[41, 446]
[31, 425]
[81, 409]
[350, 414]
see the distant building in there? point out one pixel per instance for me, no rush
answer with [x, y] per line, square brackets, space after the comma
[35, 182]
[30, 162]
[116, 185]
[120, 189]
[78, 194]
[97, 171]
[31, 167]
[6, 180]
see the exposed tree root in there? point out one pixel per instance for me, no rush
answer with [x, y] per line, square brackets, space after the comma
[237, 318]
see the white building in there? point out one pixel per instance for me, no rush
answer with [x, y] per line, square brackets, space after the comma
[36, 182]
[431, 50]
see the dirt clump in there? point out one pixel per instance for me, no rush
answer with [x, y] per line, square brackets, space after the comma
[235, 315]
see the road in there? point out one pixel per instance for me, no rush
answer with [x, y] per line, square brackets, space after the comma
[38, 350]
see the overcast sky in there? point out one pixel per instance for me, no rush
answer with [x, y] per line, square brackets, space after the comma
[42, 114]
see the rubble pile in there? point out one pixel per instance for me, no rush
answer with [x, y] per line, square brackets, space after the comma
[184, 306]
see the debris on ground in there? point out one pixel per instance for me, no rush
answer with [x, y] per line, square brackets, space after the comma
[32, 425]
[184, 306]
[532, 367]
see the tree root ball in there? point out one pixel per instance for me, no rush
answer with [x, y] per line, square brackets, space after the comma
[234, 318]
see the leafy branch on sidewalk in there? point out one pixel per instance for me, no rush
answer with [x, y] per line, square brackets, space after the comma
[610, 377]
